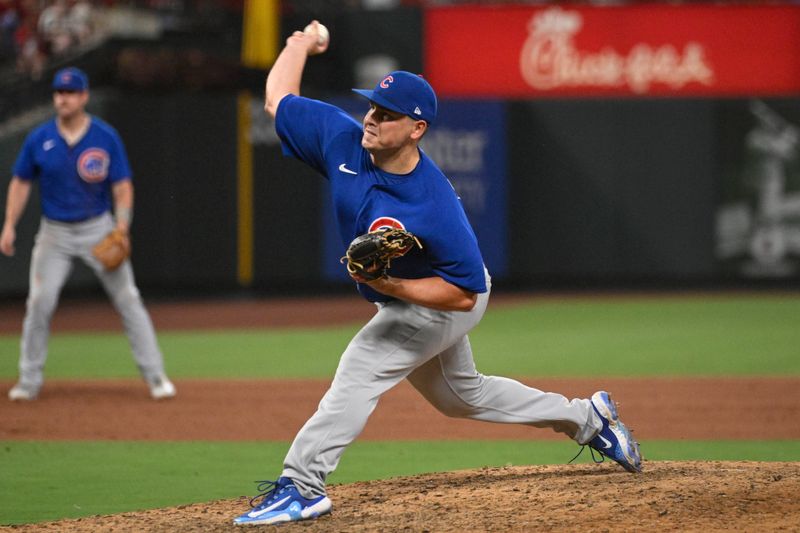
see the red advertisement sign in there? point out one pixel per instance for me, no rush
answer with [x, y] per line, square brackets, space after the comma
[659, 50]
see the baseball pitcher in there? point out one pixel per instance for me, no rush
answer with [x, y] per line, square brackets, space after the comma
[411, 250]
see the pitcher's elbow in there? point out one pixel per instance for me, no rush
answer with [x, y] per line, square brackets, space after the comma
[270, 108]
[468, 302]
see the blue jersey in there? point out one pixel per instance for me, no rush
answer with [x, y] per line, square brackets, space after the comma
[366, 198]
[74, 181]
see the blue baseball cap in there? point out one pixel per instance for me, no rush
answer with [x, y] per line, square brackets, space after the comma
[70, 79]
[406, 93]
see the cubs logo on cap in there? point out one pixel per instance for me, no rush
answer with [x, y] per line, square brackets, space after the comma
[70, 79]
[406, 93]
[386, 81]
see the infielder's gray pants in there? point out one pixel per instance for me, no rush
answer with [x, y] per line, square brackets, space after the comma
[432, 350]
[57, 244]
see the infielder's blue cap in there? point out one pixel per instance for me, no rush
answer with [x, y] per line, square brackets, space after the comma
[70, 79]
[406, 93]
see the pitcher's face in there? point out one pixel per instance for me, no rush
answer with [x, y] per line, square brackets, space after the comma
[385, 129]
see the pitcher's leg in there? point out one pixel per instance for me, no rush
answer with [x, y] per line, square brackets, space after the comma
[452, 384]
[368, 368]
[51, 263]
[398, 339]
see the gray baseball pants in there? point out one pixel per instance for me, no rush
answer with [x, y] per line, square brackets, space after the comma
[57, 244]
[431, 349]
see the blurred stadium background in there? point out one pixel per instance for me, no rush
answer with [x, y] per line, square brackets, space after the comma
[594, 144]
[608, 146]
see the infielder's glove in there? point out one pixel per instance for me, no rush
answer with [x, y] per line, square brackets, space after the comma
[113, 250]
[369, 256]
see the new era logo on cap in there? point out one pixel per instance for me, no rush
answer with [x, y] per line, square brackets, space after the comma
[404, 93]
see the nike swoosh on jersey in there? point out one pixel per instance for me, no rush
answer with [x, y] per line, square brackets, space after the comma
[346, 170]
[48, 145]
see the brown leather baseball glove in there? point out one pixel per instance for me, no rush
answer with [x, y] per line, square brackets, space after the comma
[113, 250]
[369, 255]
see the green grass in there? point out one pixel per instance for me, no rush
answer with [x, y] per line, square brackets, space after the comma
[42, 481]
[735, 335]
[217, 354]
[691, 336]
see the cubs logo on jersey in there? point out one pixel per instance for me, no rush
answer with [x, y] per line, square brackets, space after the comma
[385, 222]
[93, 165]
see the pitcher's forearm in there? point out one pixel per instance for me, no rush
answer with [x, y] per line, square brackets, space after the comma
[287, 71]
[433, 292]
[285, 76]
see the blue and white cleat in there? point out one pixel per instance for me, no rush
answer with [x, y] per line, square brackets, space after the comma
[614, 440]
[282, 503]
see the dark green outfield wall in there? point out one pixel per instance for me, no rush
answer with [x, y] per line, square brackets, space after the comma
[603, 191]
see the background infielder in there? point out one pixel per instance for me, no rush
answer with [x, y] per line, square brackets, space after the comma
[428, 301]
[81, 166]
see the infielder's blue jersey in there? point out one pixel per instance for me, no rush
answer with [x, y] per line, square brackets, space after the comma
[74, 181]
[367, 198]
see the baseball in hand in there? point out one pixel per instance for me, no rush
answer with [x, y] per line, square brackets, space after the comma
[322, 33]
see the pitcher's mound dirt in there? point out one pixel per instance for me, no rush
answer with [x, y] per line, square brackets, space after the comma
[678, 496]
